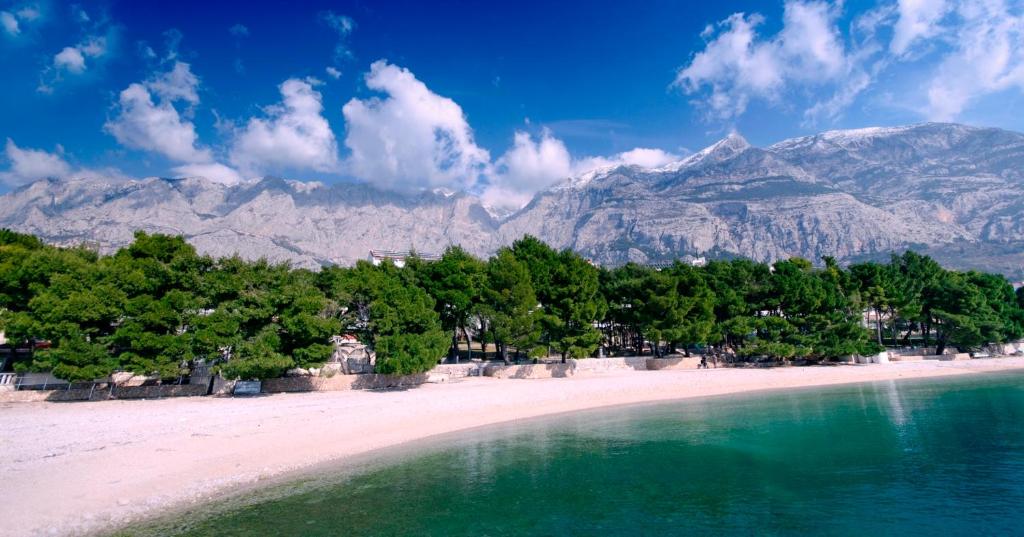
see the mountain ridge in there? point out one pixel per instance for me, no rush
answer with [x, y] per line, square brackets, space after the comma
[847, 194]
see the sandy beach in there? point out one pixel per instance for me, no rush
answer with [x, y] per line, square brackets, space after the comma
[78, 468]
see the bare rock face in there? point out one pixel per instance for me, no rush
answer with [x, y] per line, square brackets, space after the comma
[939, 188]
[306, 223]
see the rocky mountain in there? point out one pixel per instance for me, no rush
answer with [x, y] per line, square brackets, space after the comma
[309, 224]
[953, 191]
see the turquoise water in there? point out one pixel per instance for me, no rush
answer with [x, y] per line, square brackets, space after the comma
[905, 458]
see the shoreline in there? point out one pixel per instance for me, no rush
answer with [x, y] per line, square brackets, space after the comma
[79, 468]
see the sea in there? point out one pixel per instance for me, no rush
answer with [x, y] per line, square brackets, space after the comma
[906, 457]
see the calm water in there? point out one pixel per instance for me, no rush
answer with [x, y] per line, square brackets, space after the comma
[939, 457]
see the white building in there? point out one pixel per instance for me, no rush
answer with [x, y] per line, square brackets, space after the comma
[398, 258]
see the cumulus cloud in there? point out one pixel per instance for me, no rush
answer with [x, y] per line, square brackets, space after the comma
[99, 38]
[967, 50]
[294, 134]
[28, 165]
[533, 165]
[738, 65]
[410, 138]
[142, 123]
[73, 59]
[177, 84]
[210, 170]
[528, 166]
[147, 119]
[70, 59]
[333, 73]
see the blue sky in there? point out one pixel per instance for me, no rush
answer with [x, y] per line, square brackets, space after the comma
[501, 99]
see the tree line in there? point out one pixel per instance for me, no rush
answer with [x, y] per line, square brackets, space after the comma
[156, 307]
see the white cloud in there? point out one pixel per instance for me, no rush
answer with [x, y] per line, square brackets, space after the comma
[641, 156]
[412, 138]
[333, 73]
[342, 25]
[810, 42]
[29, 13]
[73, 59]
[965, 50]
[27, 165]
[737, 65]
[530, 166]
[80, 14]
[293, 135]
[144, 124]
[988, 58]
[70, 59]
[211, 170]
[177, 84]
[9, 23]
[918, 19]
[148, 120]
[239, 30]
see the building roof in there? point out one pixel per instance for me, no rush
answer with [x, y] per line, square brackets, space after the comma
[394, 254]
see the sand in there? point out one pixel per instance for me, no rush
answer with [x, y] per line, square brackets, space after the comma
[77, 468]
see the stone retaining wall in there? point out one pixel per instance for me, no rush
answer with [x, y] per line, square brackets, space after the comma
[603, 365]
[368, 381]
[105, 393]
[457, 371]
[682, 362]
[528, 371]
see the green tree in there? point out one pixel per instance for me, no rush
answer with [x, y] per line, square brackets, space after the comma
[959, 313]
[510, 305]
[574, 304]
[455, 283]
[404, 329]
[874, 287]
[691, 320]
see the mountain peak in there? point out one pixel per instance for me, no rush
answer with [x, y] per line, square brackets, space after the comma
[726, 148]
[730, 145]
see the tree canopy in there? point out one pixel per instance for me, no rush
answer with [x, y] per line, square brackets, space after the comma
[156, 307]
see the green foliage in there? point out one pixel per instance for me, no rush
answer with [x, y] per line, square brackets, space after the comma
[156, 307]
[573, 304]
[258, 357]
[75, 359]
[407, 334]
[567, 287]
[455, 282]
[510, 304]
